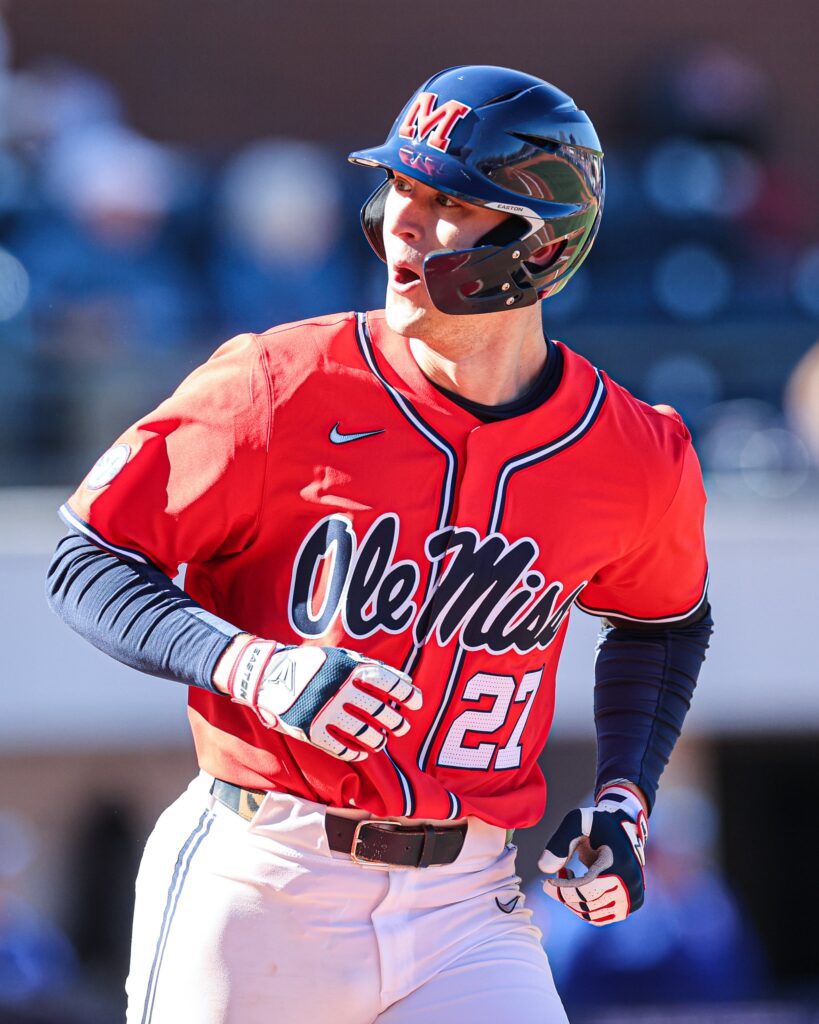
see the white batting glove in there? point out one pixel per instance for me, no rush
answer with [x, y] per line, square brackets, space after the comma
[610, 839]
[339, 701]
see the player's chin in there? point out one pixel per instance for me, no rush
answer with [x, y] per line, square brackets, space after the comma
[404, 315]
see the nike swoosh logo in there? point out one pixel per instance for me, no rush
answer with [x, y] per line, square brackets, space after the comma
[338, 438]
[507, 908]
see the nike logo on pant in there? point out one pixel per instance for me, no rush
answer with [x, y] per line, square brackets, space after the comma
[336, 437]
[507, 908]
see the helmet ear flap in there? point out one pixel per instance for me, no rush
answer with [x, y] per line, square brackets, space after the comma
[372, 219]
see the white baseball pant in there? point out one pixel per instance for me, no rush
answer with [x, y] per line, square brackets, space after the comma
[241, 922]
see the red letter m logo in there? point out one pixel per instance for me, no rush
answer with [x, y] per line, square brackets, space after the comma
[423, 120]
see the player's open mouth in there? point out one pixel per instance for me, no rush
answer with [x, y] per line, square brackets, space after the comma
[403, 279]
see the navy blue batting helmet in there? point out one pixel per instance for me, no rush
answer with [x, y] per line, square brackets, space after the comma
[511, 142]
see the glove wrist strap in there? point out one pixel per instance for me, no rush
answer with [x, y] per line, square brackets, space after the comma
[619, 798]
[247, 671]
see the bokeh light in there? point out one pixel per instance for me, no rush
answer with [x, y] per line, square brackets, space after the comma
[750, 450]
[692, 282]
[806, 281]
[15, 285]
[688, 382]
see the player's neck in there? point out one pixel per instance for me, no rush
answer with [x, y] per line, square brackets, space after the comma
[491, 366]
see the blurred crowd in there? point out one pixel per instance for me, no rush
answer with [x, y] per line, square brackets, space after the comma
[67, 966]
[125, 261]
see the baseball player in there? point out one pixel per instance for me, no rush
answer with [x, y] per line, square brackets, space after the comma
[386, 520]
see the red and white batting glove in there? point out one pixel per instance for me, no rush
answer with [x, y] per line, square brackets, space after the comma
[339, 701]
[610, 839]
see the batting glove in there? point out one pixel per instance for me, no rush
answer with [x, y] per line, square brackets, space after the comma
[611, 839]
[335, 699]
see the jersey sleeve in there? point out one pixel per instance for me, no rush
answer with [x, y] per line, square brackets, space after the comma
[664, 580]
[185, 483]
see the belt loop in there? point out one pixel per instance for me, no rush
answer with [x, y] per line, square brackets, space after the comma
[428, 847]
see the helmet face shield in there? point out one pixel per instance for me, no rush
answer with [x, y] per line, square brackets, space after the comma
[511, 142]
[483, 279]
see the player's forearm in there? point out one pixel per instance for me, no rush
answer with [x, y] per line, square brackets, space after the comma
[643, 690]
[135, 614]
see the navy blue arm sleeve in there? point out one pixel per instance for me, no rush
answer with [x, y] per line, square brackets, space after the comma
[135, 613]
[644, 682]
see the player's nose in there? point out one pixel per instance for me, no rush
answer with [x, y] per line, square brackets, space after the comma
[404, 219]
[408, 229]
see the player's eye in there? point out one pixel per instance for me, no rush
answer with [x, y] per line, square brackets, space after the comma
[401, 185]
[444, 200]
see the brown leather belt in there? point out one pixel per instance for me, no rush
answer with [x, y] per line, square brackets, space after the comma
[368, 841]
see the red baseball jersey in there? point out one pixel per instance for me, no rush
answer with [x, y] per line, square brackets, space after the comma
[322, 491]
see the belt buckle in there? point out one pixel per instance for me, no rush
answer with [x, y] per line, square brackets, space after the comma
[369, 861]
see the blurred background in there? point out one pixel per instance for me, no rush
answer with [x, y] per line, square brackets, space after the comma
[173, 174]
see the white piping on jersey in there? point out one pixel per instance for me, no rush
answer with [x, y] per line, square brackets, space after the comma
[414, 418]
[497, 512]
[605, 613]
[432, 732]
[540, 453]
[70, 517]
[496, 515]
[446, 505]
[442, 446]
[409, 800]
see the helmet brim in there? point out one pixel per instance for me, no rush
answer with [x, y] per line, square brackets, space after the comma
[445, 174]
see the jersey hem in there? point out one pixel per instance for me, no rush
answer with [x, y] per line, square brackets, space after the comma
[681, 617]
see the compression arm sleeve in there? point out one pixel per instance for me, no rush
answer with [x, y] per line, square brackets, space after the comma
[134, 613]
[644, 682]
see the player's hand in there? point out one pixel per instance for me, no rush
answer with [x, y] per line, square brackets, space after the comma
[335, 699]
[610, 840]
